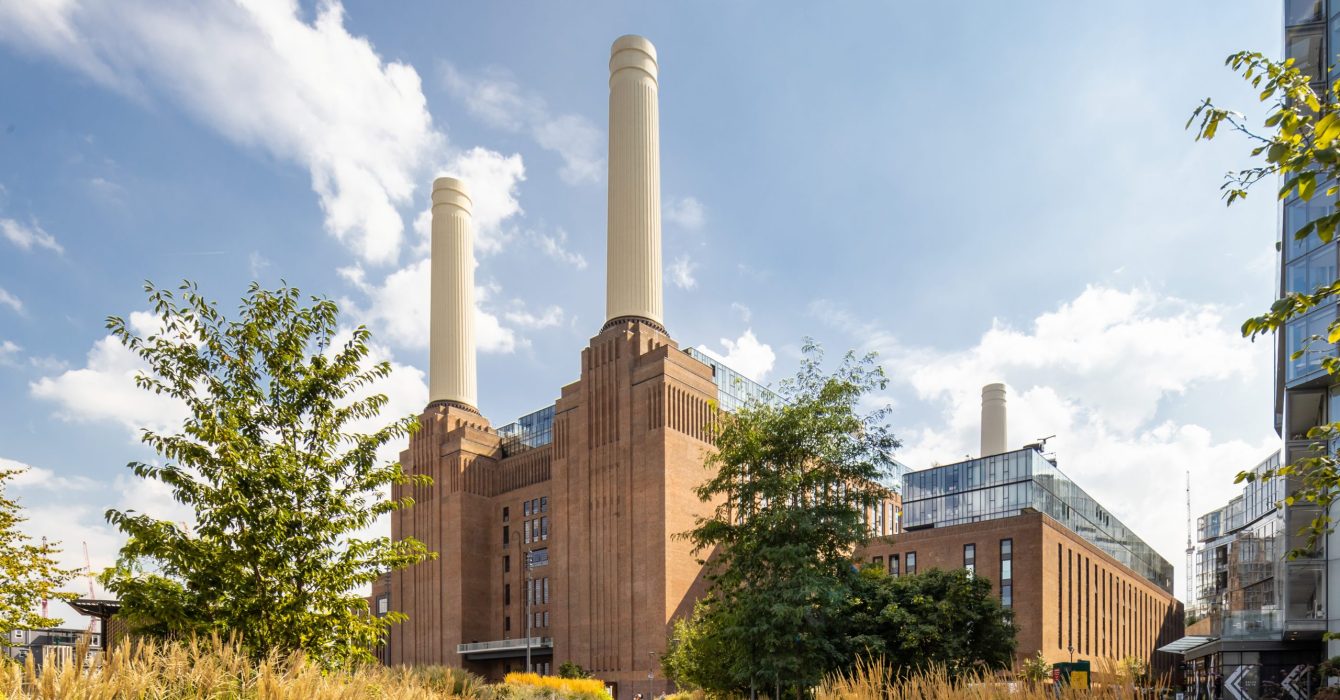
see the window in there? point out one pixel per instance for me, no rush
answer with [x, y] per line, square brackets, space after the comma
[546, 589]
[544, 504]
[530, 591]
[893, 565]
[911, 560]
[1307, 336]
[878, 561]
[544, 528]
[507, 563]
[1007, 573]
[1301, 11]
[525, 531]
[534, 506]
[506, 517]
[1305, 48]
[970, 558]
[525, 509]
[1297, 212]
[383, 605]
[507, 594]
[505, 537]
[507, 623]
[1310, 271]
[546, 618]
[539, 557]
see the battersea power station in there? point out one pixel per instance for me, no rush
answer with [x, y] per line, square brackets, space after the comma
[555, 533]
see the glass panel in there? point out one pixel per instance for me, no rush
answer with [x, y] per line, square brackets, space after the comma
[1308, 335]
[1304, 275]
[1306, 592]
[1301, 11]
[1297, 213]
[1305, 47]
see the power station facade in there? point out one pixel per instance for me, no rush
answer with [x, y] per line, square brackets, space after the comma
[555, 534]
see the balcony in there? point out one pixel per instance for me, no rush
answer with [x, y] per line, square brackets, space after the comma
[506, 648]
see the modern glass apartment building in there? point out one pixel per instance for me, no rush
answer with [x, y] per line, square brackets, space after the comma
[1005, 485]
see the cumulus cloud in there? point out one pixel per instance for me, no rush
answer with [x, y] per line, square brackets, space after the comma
[30, 477]
[26, 236]
[104, 388]
[398, 309]
[1095, 372]
[745, 355]
[520, 317]
[497, 100]
[685, 212]
[681, 272]
[492, 179]
[258, 73]
[9, 350]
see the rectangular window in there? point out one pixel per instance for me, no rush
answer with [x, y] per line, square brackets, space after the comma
[507, 563]
[878, 561]
[1310, 271]
[893, 565]
[1306, 336]
[539, 557]
[383, 605]
[970, 558]
[544, 528]
[544, 504]
[534, 506]
[1060, 597]
[546, 590]
[1007, 572]
[530, 592]
[525, 531]
[507, 624]
[525, 509]
[911, 560]
[546, 618]
[507, 594]
[505, 514]
[505, 538]
[1070, 598]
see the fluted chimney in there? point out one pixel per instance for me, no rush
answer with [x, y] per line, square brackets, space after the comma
[994, 440]
[633, 264]
[451, 326]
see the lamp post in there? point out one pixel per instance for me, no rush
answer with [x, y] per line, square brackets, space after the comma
[651, 675]
[530, 593]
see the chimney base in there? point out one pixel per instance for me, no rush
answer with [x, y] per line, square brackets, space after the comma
[633, 319]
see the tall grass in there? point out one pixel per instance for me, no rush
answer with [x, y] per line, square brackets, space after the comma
[213, 669]
[875, 680]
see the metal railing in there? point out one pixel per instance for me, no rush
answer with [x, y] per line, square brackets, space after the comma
[505, 645]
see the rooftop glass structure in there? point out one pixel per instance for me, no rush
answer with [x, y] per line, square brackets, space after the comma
[1003, 485]
[734, 390]
[528, 432]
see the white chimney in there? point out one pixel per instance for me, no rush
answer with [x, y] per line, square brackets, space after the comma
[451, 325]
[633, 263]
[994, 440]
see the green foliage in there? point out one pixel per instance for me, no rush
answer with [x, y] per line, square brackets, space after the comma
[1035, 669]
[1300, 146]
[1133, 669]
[568, 669]
[790, 482]
[935, 619]
[697, 656]
[283, 480]
[28, 572]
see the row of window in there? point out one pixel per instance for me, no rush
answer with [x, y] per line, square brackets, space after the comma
[536, 530]
[969, 563]
[1099, 613]
[537, 591]
[534, 506]
[539, 620]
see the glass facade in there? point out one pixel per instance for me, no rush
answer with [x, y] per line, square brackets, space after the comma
[734, 390]
[1001, 486]
[528, 432]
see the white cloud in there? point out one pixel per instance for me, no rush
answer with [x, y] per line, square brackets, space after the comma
[38, 478]
[499, 101]
[1095, 372]
[681, 272]
[104, 388]
[744, 311]
[549, 318]
[255, 71]
[11, 301]
[686, 212]
[8, 351]
[256, 264]
[398, 309]
[25, 237]
[492, 179]
[745, 355]
[555, 246]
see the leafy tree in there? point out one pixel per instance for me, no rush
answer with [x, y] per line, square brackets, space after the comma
[790, 481]
[1133, 669]
[697, 656]
[1299, 146]
[948, 619]
[28, 572]
[282, 486]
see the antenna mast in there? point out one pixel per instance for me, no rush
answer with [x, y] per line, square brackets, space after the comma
[1190, 548]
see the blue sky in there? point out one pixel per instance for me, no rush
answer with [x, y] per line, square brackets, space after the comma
[978, 191]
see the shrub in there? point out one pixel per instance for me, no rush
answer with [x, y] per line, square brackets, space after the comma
[550, 686]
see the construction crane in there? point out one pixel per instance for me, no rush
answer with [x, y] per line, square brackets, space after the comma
[45, 601]
[92, 593]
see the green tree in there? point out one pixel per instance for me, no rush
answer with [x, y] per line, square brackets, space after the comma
[696, 657]
[568, 669]
[283, 486]
[29, 573]
[1297, 146]
[950, 619]
[790, 481]
[1035, 669]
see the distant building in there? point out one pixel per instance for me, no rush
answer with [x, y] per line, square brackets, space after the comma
[55, 644]
[1081, 584]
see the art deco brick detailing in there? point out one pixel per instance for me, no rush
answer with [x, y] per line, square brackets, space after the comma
[994, 438]
[633, 264]
[451, 364]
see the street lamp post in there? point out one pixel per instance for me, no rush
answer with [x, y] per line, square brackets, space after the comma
[530, 593]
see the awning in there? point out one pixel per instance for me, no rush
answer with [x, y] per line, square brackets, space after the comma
[1185, 644]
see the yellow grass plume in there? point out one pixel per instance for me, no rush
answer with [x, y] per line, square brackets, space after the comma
[562, 686]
